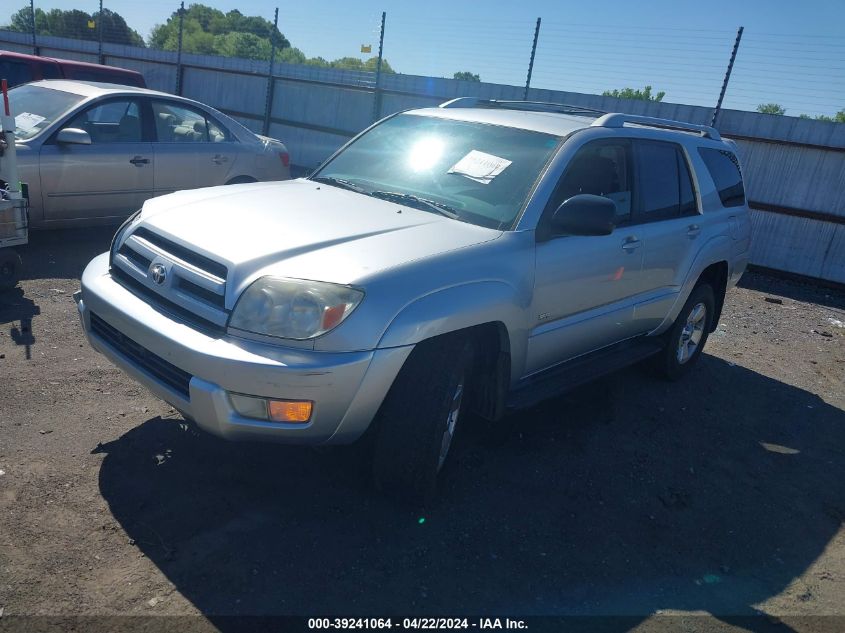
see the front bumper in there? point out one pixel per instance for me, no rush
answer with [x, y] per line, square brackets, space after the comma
[347, 388]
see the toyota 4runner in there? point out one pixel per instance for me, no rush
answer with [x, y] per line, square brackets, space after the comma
[480, 256]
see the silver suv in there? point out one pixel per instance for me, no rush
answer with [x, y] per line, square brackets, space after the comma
[480, 256]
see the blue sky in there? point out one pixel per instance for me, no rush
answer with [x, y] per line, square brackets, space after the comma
[792, 53]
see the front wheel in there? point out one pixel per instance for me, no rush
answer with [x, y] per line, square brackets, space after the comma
[10, 268]
[418, 419]
[686, 339]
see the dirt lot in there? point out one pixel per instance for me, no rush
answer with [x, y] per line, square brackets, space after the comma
[721, 494]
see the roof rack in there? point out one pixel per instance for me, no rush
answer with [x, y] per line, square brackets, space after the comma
[619, 120]
[531, 106]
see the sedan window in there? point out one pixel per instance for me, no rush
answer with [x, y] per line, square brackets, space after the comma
[115, 121]
[176, 123]
[36, 108]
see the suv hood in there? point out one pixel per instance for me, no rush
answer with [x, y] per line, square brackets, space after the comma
[304, 230]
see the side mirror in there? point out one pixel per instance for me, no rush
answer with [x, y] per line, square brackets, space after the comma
[73, 136]
[584, 214]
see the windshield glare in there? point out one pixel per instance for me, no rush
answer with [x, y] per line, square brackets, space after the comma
[36, 108]
[480, 173]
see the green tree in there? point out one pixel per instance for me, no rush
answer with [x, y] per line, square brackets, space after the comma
[771, 108]
[635, 93]
[210, 31]
[372, 65]
[839, 117]
[465, 75]
[74, 23]
[242, 44]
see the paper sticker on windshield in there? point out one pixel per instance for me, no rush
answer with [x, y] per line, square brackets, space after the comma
[480, 167]
[26, 121]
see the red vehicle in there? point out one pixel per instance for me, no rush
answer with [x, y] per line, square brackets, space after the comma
[18, 68]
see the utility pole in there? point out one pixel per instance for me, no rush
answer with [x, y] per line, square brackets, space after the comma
[377, 91]
[727, 77]
[268, 101]
[179, 50]
[32, 20]
[100, 33]
[531, 61]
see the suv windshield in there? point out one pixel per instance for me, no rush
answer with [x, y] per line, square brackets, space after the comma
[36, 108]
[474, 172]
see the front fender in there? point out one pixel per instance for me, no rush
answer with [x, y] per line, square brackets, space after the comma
[463, 306]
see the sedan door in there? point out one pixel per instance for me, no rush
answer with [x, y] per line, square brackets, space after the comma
[192, 150]
[109, 178]
[586, 287]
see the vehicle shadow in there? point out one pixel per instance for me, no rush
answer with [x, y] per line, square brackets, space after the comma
[16, 307]
[781, 284]
[63, 253]
[624, 498]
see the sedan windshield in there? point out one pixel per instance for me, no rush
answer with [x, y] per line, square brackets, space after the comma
[36, 108]
[474, 172]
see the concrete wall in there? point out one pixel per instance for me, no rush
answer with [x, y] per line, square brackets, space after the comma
[794, 168]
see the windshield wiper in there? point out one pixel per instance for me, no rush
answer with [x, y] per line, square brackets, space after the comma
[340, 182]
[419, 203]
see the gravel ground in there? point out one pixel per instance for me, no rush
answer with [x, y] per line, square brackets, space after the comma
[721, 494]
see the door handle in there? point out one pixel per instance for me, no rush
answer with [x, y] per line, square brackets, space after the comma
[693, 230]
[139, 160]
[219, 159]
[631, 244]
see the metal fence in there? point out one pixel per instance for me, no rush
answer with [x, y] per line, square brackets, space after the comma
[795, 168]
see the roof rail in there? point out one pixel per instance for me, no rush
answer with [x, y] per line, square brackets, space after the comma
[531, 106]
[616, 119]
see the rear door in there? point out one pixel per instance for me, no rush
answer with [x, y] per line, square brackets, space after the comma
[112, 176]
[666, 215]
[192, 149]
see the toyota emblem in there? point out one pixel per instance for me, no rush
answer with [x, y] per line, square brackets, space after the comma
[159, 273]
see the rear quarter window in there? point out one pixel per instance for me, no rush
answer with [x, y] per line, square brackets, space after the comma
[723, 167]
[16, 73]
[104, 75]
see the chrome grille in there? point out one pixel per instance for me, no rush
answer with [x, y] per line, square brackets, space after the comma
[194, 286]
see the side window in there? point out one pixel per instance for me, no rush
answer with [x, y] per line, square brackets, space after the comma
[115, 121]
[658, 185]
[601, 168]
[724, 170]
[176, 123]
[50, 71]
[16, 73]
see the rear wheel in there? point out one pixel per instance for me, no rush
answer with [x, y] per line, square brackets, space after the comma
[10, 268]
[419, 417]
[685, 340]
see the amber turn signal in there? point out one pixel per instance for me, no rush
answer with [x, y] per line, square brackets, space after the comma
[296, 411]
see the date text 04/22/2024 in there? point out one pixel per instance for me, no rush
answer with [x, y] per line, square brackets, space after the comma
[424, 624]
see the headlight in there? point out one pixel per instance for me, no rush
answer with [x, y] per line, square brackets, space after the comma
[293, 308]
[119, 234]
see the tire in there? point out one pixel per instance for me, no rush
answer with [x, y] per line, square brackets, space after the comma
[688, 335]
[10, 268]
[417, 420]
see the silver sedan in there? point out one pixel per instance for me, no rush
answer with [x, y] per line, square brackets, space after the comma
[93, 153]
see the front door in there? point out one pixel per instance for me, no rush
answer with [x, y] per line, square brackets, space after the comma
[586, 287]
[111, 177]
